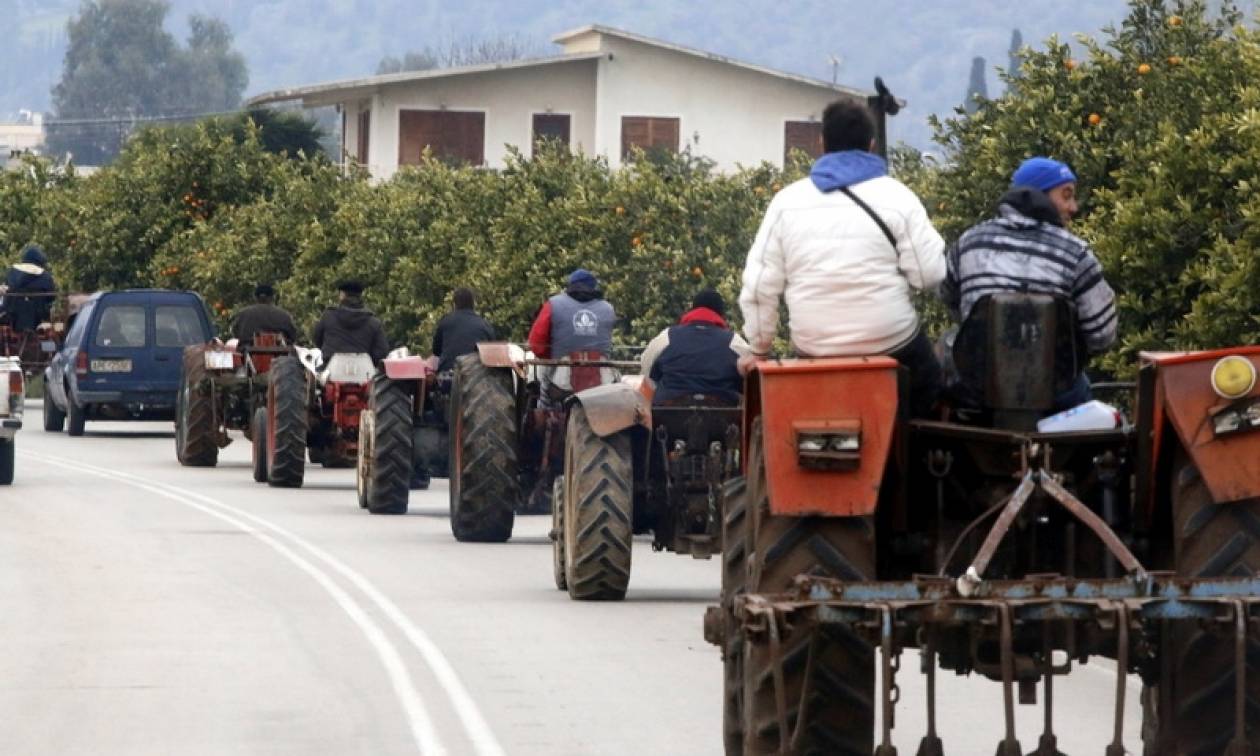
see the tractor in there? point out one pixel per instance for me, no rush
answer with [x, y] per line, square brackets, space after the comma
[631, 467]
[26, 335]
[12, 403]
[856, 532]
[222, 387]
[402, 433]
[312, 408]
[507, 437]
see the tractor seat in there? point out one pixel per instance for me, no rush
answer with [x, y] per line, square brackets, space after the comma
[1014, 354]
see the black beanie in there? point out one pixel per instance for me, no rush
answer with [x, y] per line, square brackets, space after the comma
[711, 299]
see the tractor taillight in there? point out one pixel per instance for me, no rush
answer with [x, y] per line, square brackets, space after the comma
[16, 385]
[81, 364]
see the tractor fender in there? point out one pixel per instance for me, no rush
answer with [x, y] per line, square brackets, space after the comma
[614, 407]
[501, 354]
[406, 368]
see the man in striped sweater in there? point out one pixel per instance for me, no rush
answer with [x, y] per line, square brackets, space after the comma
[1027, 248]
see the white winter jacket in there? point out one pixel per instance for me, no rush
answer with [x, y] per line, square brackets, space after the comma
[847, 289]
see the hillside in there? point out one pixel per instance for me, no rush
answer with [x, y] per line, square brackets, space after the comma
[923, 50]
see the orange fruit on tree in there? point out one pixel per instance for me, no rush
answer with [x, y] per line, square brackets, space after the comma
[1144, 69]
[1094, 119]
[697, 271]
[1175, 21]
[1174, 60]
[620, 210]
[636, 242]
[1069, 64]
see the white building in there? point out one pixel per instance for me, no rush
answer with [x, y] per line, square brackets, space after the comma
[26, 135]
[607, 92]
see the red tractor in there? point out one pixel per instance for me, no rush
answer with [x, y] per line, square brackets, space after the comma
[857, 533]
[222, 387]
[402, 433]
[311, 409]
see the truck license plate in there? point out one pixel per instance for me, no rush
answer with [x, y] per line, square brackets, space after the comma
[111, 366]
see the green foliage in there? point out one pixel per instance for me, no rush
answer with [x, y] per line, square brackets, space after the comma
[1159, 120]
[121, 64]
[210, 208]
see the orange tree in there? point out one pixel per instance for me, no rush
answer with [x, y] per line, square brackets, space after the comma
[1160, 119]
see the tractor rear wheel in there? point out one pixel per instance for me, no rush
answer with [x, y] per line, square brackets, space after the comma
[1191, 710]
[384, 470]
[839, 709]
[557, 534]
[599, 511]
[195, 426]
[288, 402]
[7, 462]
[258, 445]
[483, 459]
[54, 418]
[734, 582]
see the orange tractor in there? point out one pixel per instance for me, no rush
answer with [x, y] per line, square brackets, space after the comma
[857, 533]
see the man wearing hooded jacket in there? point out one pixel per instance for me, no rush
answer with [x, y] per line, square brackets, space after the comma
[29, 276]
[1027, 248]
[699, 355]
[350, 327]
[845, 248]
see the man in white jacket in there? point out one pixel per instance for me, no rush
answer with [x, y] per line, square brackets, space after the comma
[844, 247]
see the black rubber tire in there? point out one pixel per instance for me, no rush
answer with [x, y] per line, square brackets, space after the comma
[483, 485]
[7, 461]
[386, 480]
[840, 711]
[1194, 716]
[735, 502]
[76, 417]
[599, 504]
[54, 418]
[558, 567]
[196, 431]
[288, 400]
[258, 445]
[315, 454]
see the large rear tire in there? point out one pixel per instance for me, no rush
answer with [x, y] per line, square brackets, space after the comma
[384, 470]
[54, 418]
[1191, 710]
[483, 483]
[735, 520]
[196, 444]
[258, 445]
[839, 710]
[558, 566]
[7, 461]
[599, 511]
[288, 402]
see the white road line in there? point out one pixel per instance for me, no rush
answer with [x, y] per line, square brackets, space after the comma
[409, 697]
[475, 725]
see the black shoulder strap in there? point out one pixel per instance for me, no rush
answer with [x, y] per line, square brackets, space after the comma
[888, 234]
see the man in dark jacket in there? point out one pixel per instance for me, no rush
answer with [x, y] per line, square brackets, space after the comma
[1027, 248]
[700, 355]
[459, 331]
[29, 276]
[263, 316]
[350, 328]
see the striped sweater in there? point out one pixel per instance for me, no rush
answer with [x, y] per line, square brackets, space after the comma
[1022, 251]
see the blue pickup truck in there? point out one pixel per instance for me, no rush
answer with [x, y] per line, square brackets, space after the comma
[122, 357]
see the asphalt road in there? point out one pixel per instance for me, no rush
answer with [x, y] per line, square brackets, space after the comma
[147, 608]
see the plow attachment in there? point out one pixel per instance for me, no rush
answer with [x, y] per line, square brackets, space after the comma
[1021, 633]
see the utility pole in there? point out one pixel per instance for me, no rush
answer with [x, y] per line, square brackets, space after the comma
[836, 61]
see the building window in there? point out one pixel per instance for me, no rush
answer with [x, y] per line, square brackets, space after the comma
[805, 136]
[453, 136]
[649, 134]
[365, 129]
[551, 127]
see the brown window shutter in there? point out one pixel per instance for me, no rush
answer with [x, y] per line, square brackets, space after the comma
[365, 133]
[454, 136]
[649, 134]
[802, 135]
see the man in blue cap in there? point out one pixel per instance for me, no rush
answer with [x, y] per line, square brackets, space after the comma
[575, 324]
[1027, 248]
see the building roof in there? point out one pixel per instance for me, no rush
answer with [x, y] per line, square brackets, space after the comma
[329, 91]
[613, 32]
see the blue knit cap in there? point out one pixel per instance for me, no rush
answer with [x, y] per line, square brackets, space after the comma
[583, 277]
[1042, 173]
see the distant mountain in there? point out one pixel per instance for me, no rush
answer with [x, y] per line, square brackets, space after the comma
[923, 50]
